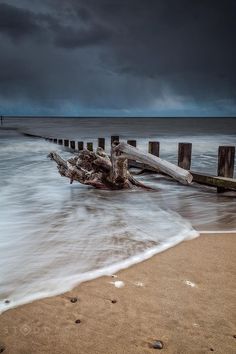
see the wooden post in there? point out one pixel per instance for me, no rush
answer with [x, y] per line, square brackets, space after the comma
[90, 146]
[55, 141]
[154, 148]
[184, 155]
[132, 142]
[226, 155]
[60, 141]
[72, 144]
[114, 138]
[101, 143]
[66, 142]
[80, 145]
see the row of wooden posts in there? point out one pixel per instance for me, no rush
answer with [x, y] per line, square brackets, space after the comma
[226, 154]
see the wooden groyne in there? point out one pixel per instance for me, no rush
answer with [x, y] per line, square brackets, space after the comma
[225, 169]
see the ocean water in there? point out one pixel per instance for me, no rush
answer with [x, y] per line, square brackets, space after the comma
[54, 235]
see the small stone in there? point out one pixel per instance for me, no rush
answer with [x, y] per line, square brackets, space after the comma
[211, 349]
[73, 300]
[7, 301]
[157, 344]
[78, 321]
[234, 336]
[114, 301]
[2, 349]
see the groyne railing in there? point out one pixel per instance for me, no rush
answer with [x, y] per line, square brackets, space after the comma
[225, 168]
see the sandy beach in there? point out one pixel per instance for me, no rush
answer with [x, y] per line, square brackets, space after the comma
[184, 297]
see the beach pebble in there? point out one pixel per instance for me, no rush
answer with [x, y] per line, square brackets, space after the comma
[189, 283]
[211, 349]
[78, 321]
[2, 348]
[7, 301]
[157, 344]
[139, 283]
[118, 283]
[234, 336]
[114, 301]
[73, 300]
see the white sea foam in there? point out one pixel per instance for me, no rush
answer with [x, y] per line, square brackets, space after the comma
[54, 236]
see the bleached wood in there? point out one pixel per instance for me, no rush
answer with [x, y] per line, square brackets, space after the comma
[132, 153]
[97, 169]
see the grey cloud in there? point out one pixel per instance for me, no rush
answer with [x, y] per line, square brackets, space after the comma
[70, 37]
[119, 54]
[187, 44]
[16, 22]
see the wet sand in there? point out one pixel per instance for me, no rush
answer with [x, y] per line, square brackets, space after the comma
[185, 297]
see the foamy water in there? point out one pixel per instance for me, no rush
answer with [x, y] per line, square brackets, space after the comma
[55, 235]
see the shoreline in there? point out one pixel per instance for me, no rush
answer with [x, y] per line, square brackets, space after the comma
[112, 269]
[184, 297]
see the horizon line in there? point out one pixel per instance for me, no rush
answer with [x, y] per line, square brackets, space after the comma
[108, 116]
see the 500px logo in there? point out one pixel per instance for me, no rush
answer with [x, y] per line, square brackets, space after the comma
[25, 330]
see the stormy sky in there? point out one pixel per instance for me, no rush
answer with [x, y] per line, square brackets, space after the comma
[118, 57]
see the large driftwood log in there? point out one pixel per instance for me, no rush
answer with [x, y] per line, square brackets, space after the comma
[178, 173]
[101, 171]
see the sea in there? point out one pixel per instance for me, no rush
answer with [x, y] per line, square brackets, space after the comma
[54, 235]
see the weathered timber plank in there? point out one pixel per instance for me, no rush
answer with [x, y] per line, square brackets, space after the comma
[114, 138]
[72, 144]
[27, 134]
[184, 155]
[80, 145]
[154, 148]
[132, 142]
[101, 143]
[214, 181]
[201, 178]
[90, 146]
[226, 156]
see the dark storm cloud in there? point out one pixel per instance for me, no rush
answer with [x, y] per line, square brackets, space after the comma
[187, 41]
[16, 22]
[69, 37]
[122, 54]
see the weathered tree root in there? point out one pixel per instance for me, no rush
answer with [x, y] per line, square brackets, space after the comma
[99, 170]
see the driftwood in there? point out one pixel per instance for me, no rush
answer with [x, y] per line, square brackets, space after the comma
[101, 171]
[178, 173]
[97, 169]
